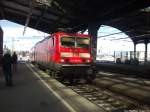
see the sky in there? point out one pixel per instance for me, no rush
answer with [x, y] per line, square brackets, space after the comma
[14, 38]
[109, 44]
[117, 42]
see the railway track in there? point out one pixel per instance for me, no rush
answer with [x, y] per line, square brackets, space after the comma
[133, 79]
[107, 100]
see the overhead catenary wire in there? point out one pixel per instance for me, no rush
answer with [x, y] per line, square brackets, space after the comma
[127, 37]
[116, 33]
[128, 31]
[133, 36]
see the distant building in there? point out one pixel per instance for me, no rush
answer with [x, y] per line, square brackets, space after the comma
[1, 43]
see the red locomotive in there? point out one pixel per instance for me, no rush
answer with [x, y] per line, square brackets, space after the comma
[65, 55]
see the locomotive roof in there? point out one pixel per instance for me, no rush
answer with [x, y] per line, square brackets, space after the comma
[43, 40]
[62, 33]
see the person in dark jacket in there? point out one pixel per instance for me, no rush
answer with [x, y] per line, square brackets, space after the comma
[14, 61]
[7, 61]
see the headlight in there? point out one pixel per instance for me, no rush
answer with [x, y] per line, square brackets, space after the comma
[84, 55]
[62, 60]
[66, 54]
[88, 61]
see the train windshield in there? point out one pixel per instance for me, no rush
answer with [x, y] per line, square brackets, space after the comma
[82, 42]
[75, 42]
[68, 41]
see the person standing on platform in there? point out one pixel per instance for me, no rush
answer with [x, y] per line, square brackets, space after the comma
[14, 61]
[6, 62]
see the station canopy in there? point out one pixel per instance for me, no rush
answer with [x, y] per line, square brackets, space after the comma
[129, 16]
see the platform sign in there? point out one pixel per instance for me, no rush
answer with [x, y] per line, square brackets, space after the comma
[44, 2]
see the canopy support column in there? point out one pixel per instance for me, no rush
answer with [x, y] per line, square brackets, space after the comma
[135, 50]
[146, 44]
[92, 31]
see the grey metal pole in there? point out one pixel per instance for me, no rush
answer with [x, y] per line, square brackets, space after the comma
[146, 43]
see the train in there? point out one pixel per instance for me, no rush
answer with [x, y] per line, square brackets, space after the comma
[65, 56]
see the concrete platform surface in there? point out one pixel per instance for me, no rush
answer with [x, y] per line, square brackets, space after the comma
[28, 94]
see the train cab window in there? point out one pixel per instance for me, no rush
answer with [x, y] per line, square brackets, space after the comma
[68, 41]
[82, 42]
[51, 42]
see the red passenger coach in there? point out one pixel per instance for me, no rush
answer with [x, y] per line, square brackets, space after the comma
[65, 55]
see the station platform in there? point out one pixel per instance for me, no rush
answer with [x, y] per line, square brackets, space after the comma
[35, 91]
[137, 70]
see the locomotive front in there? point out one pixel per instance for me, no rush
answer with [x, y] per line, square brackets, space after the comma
[75, 57]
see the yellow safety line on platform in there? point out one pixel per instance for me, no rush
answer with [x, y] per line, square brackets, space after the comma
[56, 94]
